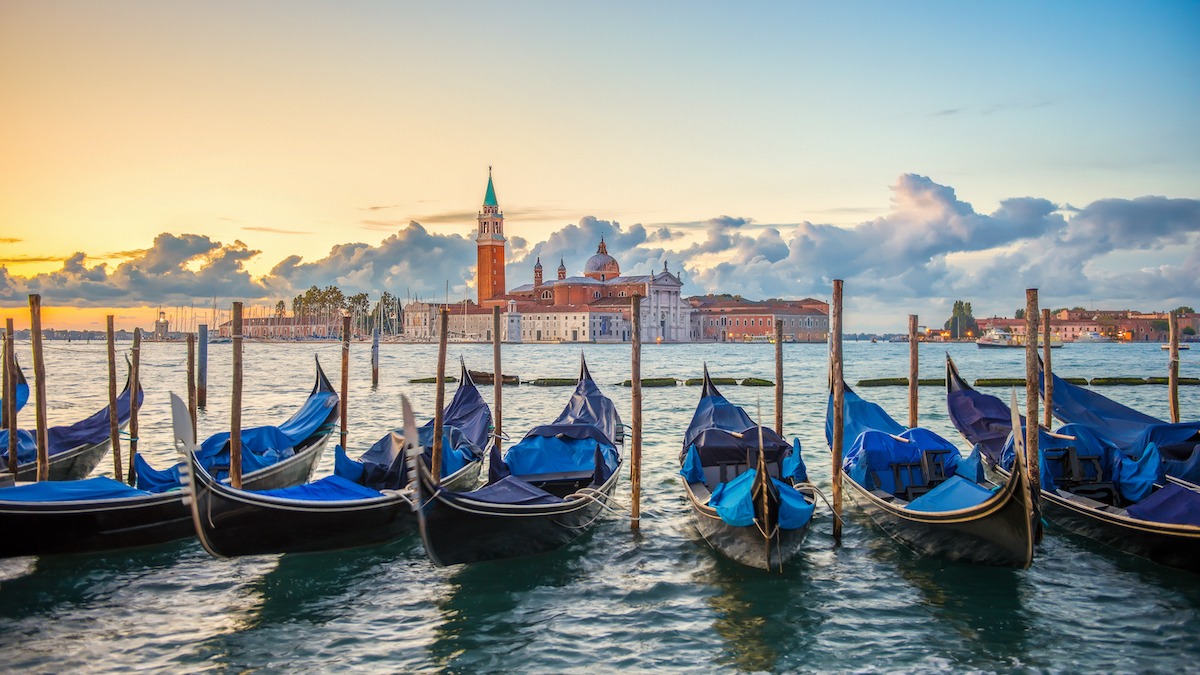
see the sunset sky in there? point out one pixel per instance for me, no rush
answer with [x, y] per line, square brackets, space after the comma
[181, 153]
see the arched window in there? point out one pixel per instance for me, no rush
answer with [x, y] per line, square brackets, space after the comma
[546, 295]
[596, 294]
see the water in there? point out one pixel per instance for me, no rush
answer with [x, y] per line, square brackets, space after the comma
[661, 600]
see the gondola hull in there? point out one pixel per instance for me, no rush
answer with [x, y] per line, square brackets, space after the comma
[999, 532]
[233, 522]
[745, 545]
[74, 464]
[97, 525]
[457, 529]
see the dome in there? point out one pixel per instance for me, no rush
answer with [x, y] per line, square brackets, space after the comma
[602, 264]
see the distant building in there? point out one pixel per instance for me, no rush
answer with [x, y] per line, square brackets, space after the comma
[726, 319]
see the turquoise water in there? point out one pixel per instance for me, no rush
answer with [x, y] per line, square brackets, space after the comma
[660, 600]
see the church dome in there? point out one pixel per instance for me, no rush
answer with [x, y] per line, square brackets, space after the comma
[602, 265]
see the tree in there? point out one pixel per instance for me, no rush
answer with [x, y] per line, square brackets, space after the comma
[1160, 325]
[1183, 310]
[1188, 330]
[1019, 314]
[280, 309]
[961, 322]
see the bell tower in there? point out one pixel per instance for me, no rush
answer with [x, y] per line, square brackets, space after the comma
[489, 243]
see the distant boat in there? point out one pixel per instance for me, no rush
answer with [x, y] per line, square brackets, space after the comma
[1182, 346]
[998, 338]
[1094, 336]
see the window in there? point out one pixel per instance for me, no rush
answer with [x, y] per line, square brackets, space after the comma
[596, 295]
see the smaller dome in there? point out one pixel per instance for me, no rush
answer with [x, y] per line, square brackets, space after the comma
[538, 266]
[602, 263]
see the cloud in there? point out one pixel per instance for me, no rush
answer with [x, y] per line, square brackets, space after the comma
[275, 230]
[10, 240]
[26, 259]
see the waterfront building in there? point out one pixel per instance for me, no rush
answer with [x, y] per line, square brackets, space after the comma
[734, 319]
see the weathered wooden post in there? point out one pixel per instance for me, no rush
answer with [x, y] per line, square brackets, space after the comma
[435, 464]
[839, 412]
[191, 382]
[635, 452]
[10, 395]
[114, 419]
[913, 370]
[134, 389]
[778, 376]
[1031, 390]
[1047, 377]
[235, 406]
[1173, 367]
[497, 378]
[39, 376]
[345, 388]
[201, 379]
[375, 356]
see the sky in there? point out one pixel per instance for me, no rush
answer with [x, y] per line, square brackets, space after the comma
[186, 154]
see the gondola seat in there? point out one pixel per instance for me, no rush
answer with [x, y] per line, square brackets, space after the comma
[723, 472]
[1081, 474]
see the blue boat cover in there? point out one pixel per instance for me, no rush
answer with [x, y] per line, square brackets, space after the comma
[261, 446]
[1133, 479]
[734, 502]
[512, 490]
[971, 467]
[1075, 405]
[1170, 504]
[100, 487]
[859, 416]
[21, 397]
[871, 458]
[981, 418]
[328, 489]
[951, 495]
[591, 407]
[88, 431]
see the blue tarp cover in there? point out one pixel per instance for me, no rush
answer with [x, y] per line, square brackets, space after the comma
[22, 397]
[1119, 424]
[859, 416]
[951, 495]
[589, 406]
[89, 431]
[100, 487]
[328, 489]
[734, 502]
[1170, 504]
[561, 453]
[512, 490]
[1134, 479]
[870, 459]
[982, 419]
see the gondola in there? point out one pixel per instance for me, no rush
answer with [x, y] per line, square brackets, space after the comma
[1088, 486]
[748, 487]
[364, 502]
[100, 513]
[1130, 430]
[74, 450]
[20, 396]
[918, 488]
[547, 489]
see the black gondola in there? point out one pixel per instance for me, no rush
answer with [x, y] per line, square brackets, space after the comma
[1088, 486]
[918, 488]
[100, 513]
[74, 450]
[547, 490]
[748, 487]
[364, 502]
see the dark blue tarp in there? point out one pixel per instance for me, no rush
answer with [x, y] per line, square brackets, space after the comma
[21, 397]
[328, 489]
[100, 487]
[981, 418]
[261, 446]
[872, 455]
[1100, 462]
[1170, 504]
[721, 433]
[951, 495]
[512, 490]
[734, 502]
[88, 431]
[859, 416]
[1119, 424]
[589, 406]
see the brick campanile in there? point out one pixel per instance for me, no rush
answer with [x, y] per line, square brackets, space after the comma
[489, 244]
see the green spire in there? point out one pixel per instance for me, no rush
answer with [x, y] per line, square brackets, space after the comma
[489, 199]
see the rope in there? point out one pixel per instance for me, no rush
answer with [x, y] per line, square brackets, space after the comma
[820, 494]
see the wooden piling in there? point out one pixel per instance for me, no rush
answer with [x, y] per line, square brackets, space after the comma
[1047, 378]
[913, 363]
[375, 356]
[134, 389]
[191, 382]
[778, 376]
[345, 388]
[443, 329]
[10, 395]
[1031, 390]
[114, 419]
[39, 376]
[201, 379]
[635, 452]
[235, 406]
[1173, 367]
[839, 412]
[497, 379]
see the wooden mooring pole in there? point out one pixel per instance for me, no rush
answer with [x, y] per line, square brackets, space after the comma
[134, 390]
[201, 379]
[839, 412]
[1047, 378]
[39, 376]
[913, 370]
[635, 452]
[114, 418]
[235, 406]
[778, 376]
[345, 388]
[497, 379]
[10, 395]
[435, 465]
[1173, 367]
[1031, 391]
[375, 356]
[191, 382]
